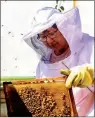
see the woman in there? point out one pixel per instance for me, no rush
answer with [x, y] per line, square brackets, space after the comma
[58, 38]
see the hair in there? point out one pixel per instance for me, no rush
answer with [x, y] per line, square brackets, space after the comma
[54, 26]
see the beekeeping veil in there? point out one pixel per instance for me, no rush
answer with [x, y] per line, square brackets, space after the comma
[68, 24]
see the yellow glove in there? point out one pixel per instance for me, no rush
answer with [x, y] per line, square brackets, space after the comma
[80, 76]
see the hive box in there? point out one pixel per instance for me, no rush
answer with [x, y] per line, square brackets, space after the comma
[46, 97]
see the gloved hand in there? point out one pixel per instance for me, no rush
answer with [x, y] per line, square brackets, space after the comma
[82, 76]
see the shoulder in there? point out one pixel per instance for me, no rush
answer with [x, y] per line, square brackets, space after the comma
[88, 47]
[88, 39]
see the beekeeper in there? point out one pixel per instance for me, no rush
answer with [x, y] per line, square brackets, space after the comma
[58, 39]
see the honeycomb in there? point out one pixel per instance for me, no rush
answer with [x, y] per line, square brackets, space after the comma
[46, 97]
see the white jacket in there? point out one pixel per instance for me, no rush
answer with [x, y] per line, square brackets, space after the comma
[81, 46]
[84, 98]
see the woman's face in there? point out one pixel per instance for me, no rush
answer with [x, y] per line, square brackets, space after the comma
[53, 39]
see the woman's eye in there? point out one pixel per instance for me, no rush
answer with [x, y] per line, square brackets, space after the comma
[44, 36]
[51, 33]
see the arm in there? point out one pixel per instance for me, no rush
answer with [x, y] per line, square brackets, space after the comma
[81, 76]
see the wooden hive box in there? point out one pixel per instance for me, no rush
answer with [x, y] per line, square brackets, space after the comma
[46, 97]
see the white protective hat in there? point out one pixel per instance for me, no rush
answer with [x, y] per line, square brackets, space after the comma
[68, 23]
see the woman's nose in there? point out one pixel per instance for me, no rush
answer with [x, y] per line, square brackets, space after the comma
[49, 40]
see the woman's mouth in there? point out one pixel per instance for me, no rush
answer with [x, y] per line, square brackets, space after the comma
[52, 46]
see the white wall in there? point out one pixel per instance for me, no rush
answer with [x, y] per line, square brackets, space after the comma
[17, 58]
[87, 16]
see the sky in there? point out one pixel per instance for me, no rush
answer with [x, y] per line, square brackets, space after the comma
[17, 58]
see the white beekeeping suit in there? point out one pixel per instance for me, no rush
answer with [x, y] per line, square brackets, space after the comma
[81, 47]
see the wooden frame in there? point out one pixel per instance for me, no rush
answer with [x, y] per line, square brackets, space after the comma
[20, 108]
